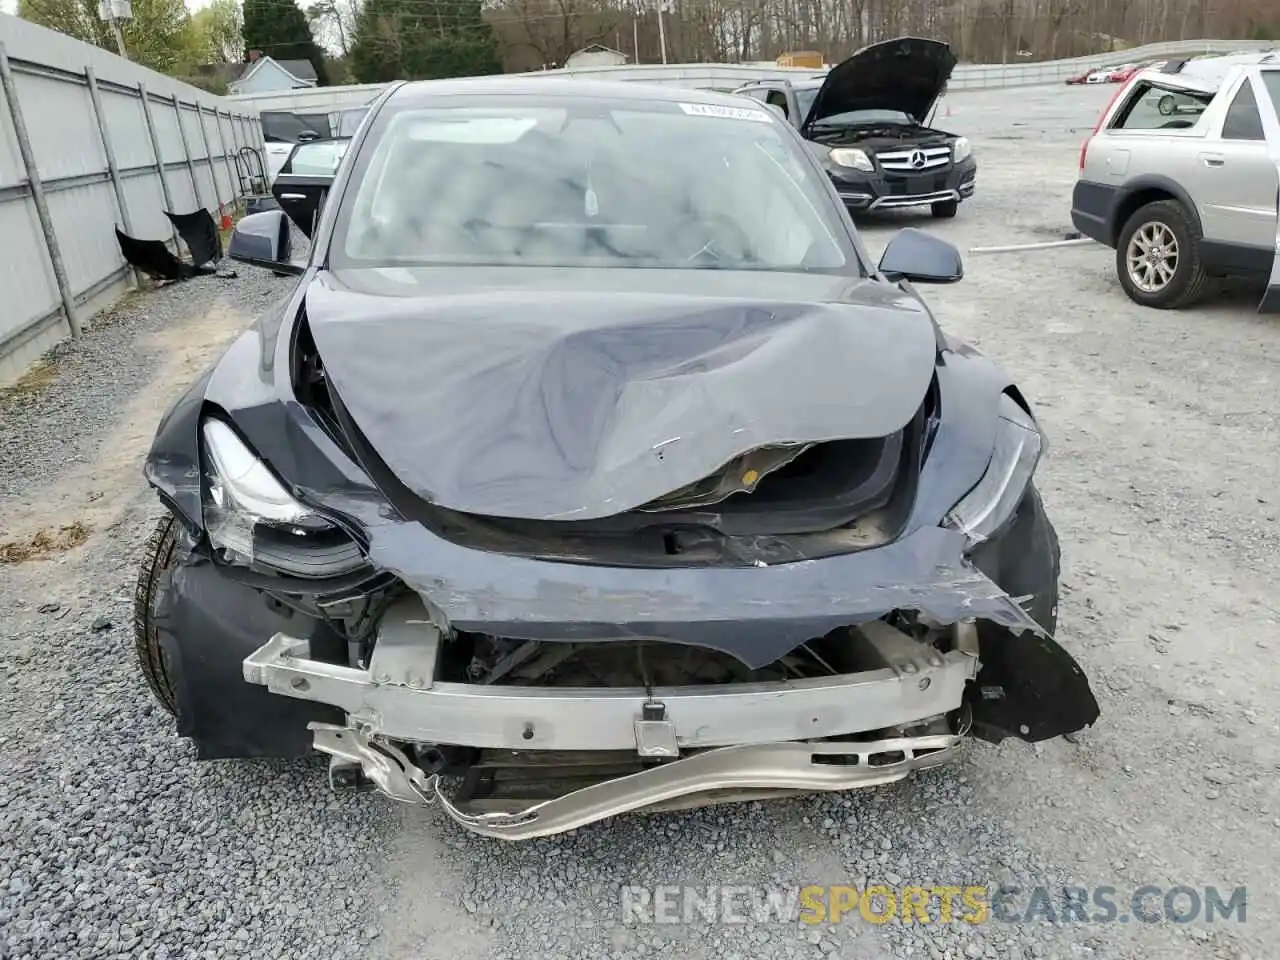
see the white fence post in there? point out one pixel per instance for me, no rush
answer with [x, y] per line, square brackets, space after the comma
[36, 186]
[233, 178]
[155, 147]
[208, 159]
[186, 152]
[113, 168]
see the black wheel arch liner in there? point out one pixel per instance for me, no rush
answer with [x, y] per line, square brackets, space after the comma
[1028, 686]
[1148, 183]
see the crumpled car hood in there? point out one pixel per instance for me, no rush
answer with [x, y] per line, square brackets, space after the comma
[579, 403]
[906, 74]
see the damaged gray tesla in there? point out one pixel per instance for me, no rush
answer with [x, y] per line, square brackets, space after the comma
[592, 466]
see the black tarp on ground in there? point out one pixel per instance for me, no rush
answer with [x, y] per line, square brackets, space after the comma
[200, 234]
[156, 260]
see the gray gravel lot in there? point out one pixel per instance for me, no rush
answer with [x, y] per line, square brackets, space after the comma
[1163, 478]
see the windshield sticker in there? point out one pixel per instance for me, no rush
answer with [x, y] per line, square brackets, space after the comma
[725, 113]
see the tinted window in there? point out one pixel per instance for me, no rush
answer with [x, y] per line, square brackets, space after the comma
[1158, 108]
[283, 127]
[805, 98]
[589, 183]
[318, 122]
[778, 99]
[1272, 79]
[320, 158]
[1243, 120]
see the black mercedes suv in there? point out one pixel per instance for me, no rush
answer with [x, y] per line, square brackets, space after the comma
[868, 120]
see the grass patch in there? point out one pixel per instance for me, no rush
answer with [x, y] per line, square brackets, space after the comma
[41, 374]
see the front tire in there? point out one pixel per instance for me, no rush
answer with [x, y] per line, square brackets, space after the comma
[1158, 257]
[945, 209]
[158, 557]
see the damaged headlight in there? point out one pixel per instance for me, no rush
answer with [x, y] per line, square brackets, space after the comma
[252, 520]
[986, 508]
[960, 149]
[851, 157]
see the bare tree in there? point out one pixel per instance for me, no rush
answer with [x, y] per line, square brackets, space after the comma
[548, 31]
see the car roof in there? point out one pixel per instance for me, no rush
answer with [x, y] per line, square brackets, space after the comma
[422, 91]
[1199, 84]
[1214, 70]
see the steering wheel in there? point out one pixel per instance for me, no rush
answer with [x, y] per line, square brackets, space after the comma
[717, 237]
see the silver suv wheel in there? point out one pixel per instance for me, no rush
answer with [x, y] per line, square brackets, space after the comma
[1158, 256]
[1152, 257]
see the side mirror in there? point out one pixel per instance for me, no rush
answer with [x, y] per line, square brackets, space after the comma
[921, 257]
[262, 240]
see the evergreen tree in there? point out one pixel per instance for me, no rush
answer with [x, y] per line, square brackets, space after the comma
[411, 40]
[280, 30]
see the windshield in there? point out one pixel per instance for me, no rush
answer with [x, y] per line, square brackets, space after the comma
[853, 118]
[572, 182]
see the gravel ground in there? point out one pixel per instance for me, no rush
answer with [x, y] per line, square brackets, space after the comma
[1163, 478]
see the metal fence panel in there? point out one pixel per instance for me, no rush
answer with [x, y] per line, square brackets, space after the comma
[64, 134]
[62, 190]
[25, 273]
[89, 253]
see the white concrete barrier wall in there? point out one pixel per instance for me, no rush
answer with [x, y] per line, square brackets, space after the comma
[727, 76]
[198, 136]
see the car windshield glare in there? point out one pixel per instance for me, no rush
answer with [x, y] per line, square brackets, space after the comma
[572, 182]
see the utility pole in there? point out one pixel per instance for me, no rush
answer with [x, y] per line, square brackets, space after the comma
[662, 31]
[113, 12]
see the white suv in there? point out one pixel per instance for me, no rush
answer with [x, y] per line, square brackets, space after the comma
[1181, 177]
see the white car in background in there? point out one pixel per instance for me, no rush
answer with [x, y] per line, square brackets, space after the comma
[277, 153]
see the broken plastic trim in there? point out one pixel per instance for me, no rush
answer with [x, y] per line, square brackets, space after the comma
[985, 509]
[713, 776]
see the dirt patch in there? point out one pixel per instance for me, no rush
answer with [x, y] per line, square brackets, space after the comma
[44, 543]
[36, 379]
[99, 489]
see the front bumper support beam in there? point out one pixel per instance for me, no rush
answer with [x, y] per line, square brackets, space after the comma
[917, 682]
